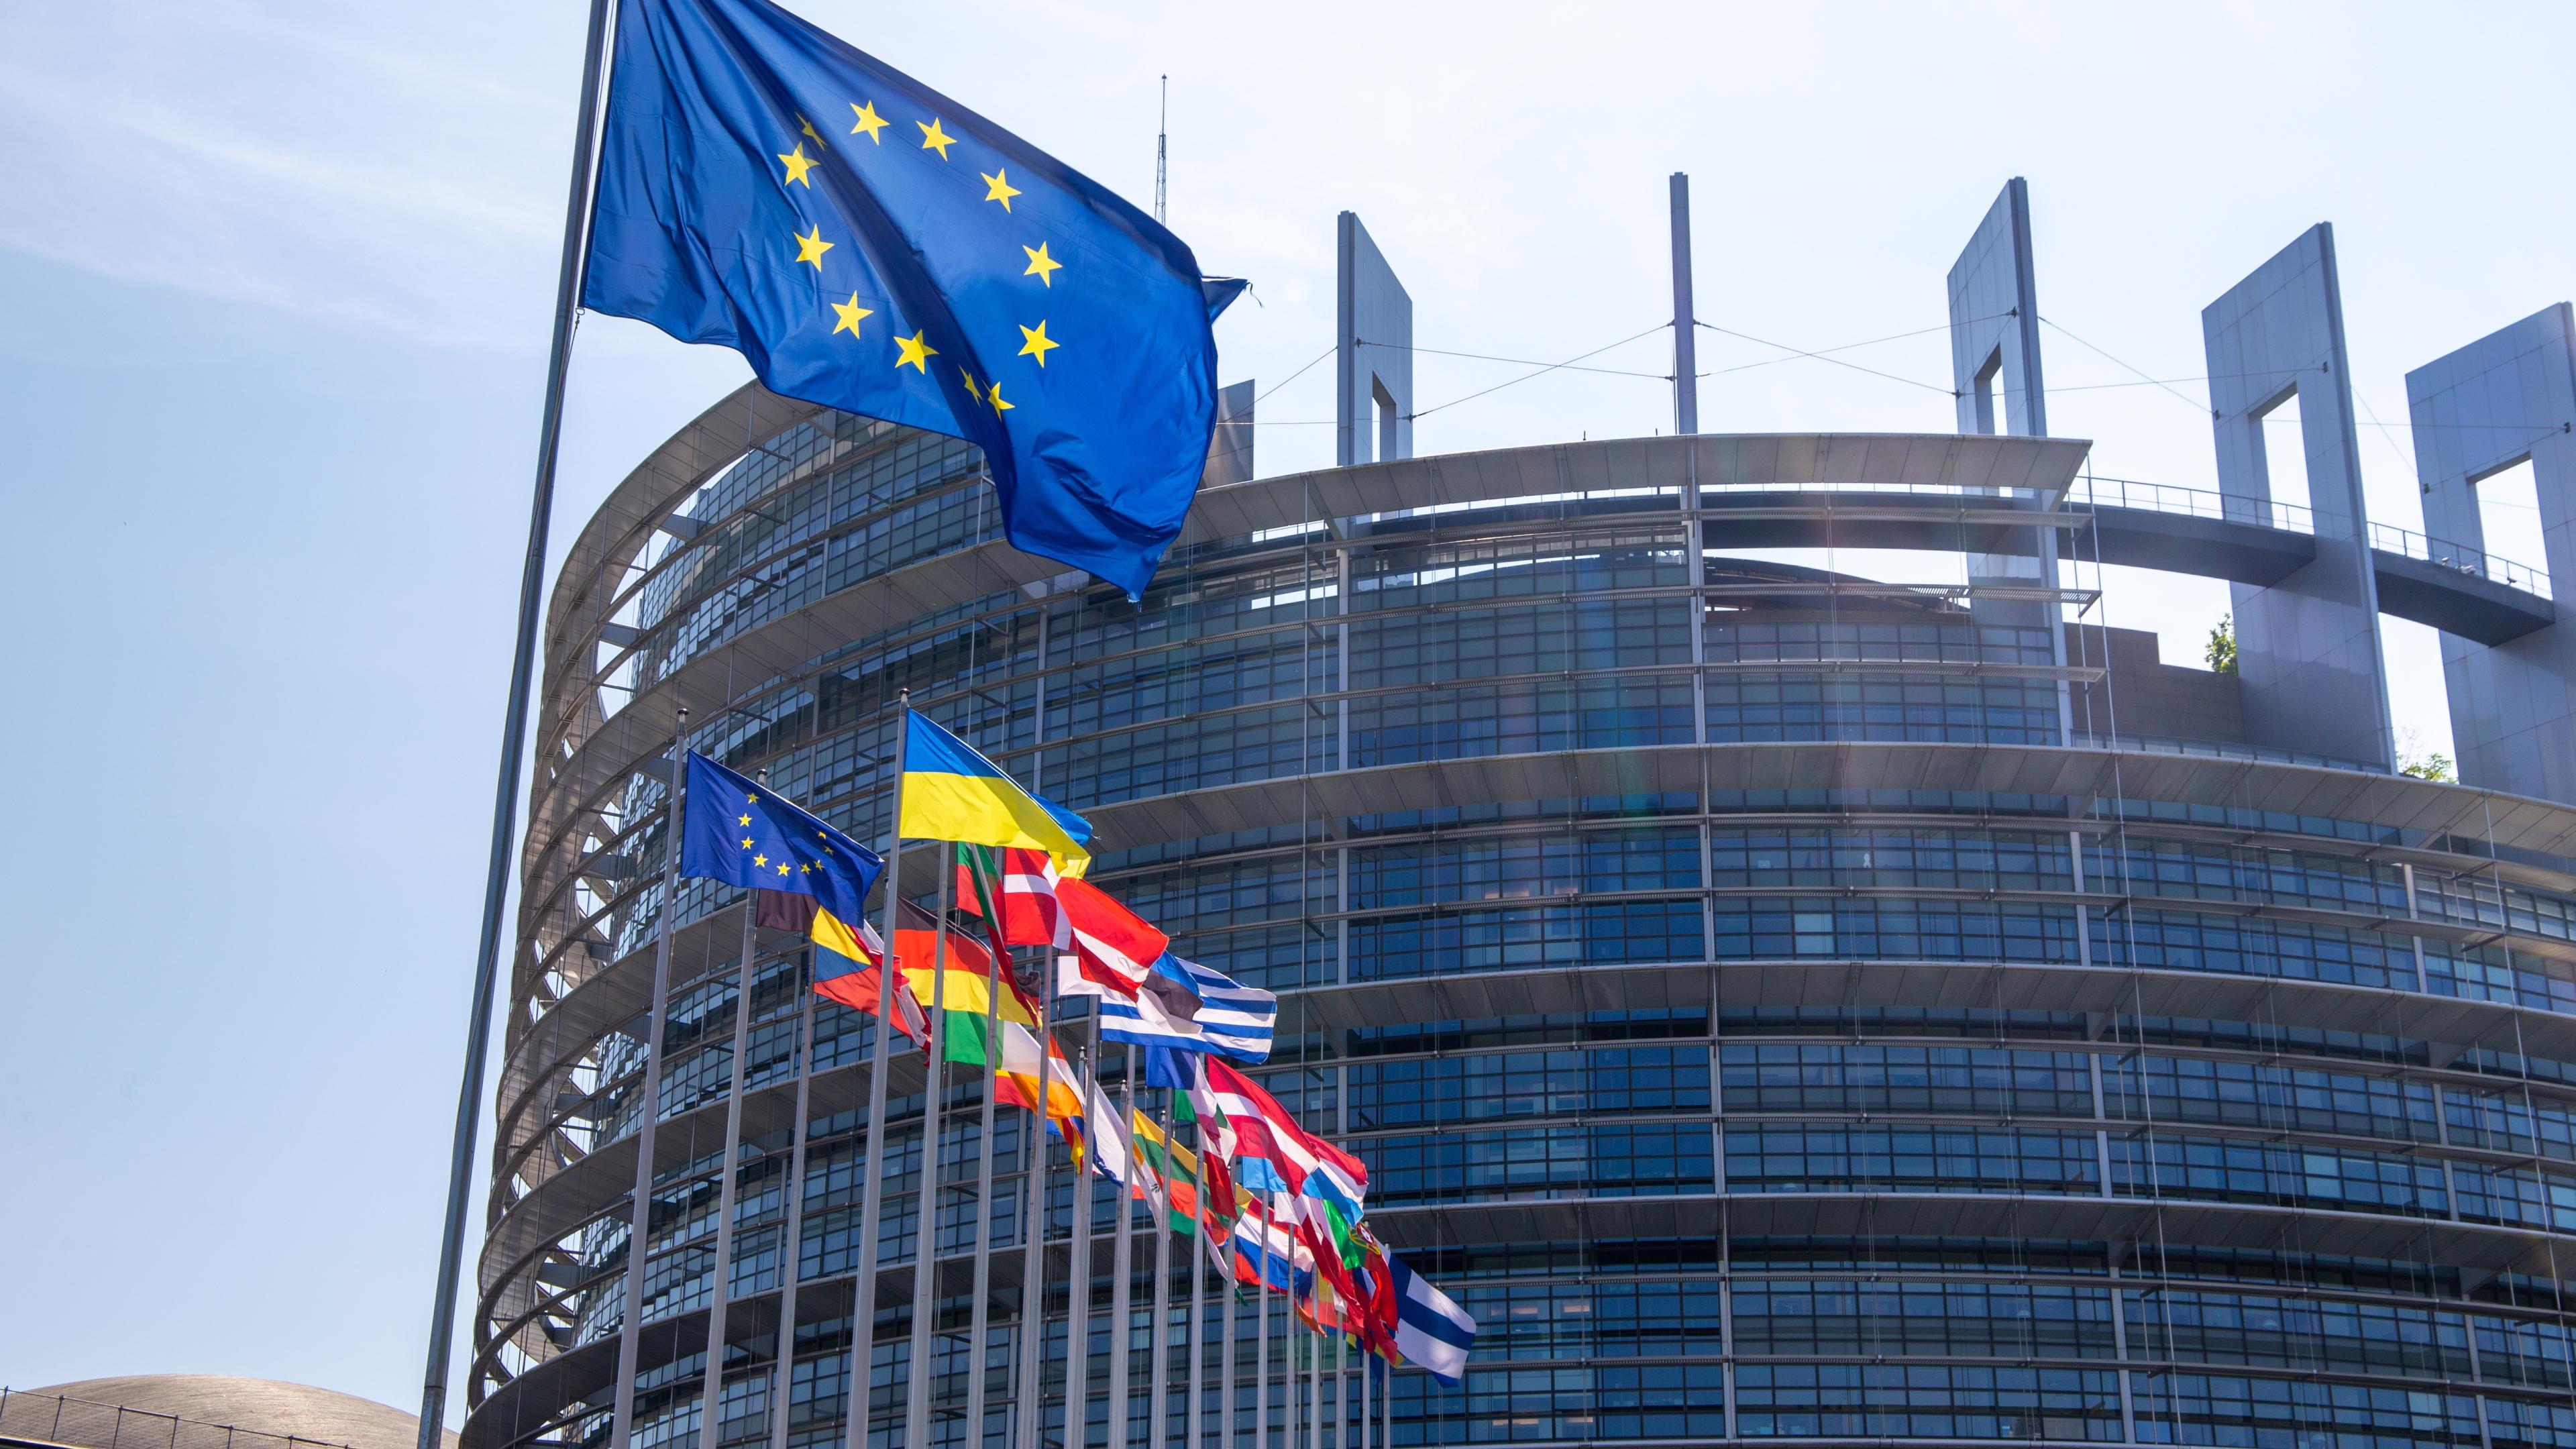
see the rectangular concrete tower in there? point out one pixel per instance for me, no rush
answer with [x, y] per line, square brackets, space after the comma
[2506, 398]
[2307, 648]
[1373, 354]
[1994, 369]
[1994, 324]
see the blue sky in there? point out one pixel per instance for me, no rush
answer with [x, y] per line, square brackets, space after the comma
[274, 285]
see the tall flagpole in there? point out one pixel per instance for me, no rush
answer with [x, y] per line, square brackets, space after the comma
[1261, 1333]
[648, 1105]
[1199, 1246]
[1077, 1308]
[783, 1362]
[1159, 1341]
[720, 1288]
[863, 1305]
[1225, 1353]
[1030, 1356]
[1121, 1263]
[978, 1316]
[514, 743]
[925, 1217]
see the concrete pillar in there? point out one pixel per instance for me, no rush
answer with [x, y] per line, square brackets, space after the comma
[2307, 648]
[1373, 354]
[2507, 397]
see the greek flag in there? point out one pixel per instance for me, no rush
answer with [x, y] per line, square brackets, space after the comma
[1184, 1006]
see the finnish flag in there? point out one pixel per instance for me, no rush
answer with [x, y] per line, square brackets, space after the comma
[1429, 1329]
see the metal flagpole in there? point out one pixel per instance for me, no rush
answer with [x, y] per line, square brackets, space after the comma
[1315, 1379]
[1288, 1401]
[639, 1229]
[1225, 1351]
[1367, 1360]
[801, 1057]
[1121, 1263]
[978, 1316]
[925, 1247]
[863, 1304]
[1077, 1310]
[514, 743]
[1159, 1341]
[1198, 1280]
[720, 1291]
[1029, 1356]
[1261, 1332]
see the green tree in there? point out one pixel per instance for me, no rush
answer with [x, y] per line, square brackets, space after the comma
[2221, 649]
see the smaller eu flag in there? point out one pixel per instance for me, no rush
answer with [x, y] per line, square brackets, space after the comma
[869, 244]
[736, 831]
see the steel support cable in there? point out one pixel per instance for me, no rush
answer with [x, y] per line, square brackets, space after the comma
[1542, 372]
[1845, 347]
[1836, 361]
[2141, 372]
[1526, 361]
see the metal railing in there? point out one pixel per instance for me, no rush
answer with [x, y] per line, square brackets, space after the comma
[2442, 553]
[62, 1419]
[2190, 502]
[2295, 518]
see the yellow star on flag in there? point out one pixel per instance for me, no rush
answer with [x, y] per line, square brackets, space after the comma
[798, 163]
[1041, 266]
[914, 352]
[746, 820]
[1035, 340]
[1000, 407]
[760, 860]
[935, 139]
[746, 842]
[971, 390]
[782, 867]
[998, 187]
[851, 312]
[807, 127]
[811, 248]
[869, 121]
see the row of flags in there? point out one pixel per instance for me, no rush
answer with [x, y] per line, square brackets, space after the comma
[1272, 1204]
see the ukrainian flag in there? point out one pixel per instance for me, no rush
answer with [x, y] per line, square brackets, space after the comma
[951, 792]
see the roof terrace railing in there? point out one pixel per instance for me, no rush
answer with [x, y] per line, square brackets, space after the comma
[2190, 502]
[2442, 553]
[2295, 518]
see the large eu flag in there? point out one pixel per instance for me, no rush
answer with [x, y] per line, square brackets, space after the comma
[869, 244]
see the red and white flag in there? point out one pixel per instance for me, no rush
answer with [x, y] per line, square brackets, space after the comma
[1114, 950]
[1257, 1129]
[1026, 884]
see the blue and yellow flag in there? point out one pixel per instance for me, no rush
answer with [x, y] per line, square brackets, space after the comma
[869, 244]
[951, 792]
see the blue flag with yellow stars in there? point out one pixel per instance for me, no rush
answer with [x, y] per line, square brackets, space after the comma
[870, 245]
[734, 830]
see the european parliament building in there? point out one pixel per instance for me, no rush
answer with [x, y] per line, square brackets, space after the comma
[1780, 1002]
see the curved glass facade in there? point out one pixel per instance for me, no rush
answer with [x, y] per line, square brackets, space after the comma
[1840, 1096]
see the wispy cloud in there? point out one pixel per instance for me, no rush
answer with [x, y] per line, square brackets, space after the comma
[238, 155]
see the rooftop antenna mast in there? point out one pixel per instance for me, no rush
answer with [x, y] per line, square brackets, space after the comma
[1162, 149]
